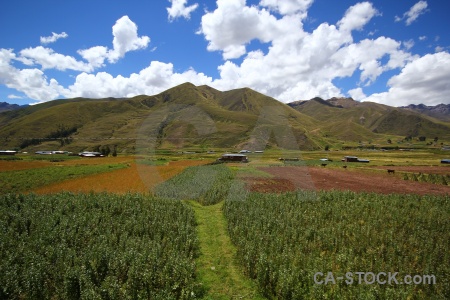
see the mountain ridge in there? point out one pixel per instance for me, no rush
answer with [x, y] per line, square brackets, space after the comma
[202, 117]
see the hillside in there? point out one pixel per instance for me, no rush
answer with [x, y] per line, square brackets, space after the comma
[201, 117]
[181, 117]
[350, 120]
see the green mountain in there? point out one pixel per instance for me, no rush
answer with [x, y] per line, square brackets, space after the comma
[201, 117]
[185, 116]
[350, 120]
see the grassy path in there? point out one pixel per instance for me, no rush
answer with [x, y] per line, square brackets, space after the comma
[216, 267]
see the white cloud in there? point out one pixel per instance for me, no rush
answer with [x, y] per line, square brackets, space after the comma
[125, 40]
[32, 82]
[12, 96]
[156, 78]
[298, 65]
[179, 9]
[408, 44]
[424, 80]
[95, 55]
[439, 49]
[53, 38]
[422, 38]
[357, 16]
[357, 94]
[233, 24]
[413, 13]
[288, 6]
[48, 59]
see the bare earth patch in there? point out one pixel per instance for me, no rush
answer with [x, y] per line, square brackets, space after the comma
[316, 178]
[442, 170]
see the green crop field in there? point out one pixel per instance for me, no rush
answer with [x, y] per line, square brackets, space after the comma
[203, 235]
[96, 246]
[283, 240]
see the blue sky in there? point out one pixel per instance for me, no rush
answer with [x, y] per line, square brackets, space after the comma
[390, 52]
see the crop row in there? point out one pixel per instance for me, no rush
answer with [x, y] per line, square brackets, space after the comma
[96, 246]
[432, 178]
[207, 184]
[283, 240]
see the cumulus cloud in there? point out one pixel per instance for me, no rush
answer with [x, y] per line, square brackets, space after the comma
[125, 39]
[179, 9]
[48, 59]
[233, 24]
[424, 80]
[155, 78]
[357, 94]
[53, 38]
[299, 64]
[32, 82]
[413, 13]
[357, 16]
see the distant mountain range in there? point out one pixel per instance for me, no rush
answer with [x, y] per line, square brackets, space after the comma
[5, 106]
[441, 111]
[201, 117]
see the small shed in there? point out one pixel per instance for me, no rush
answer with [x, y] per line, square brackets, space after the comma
[350, 159]
[8, 152]
[233, 157]
[354, 159]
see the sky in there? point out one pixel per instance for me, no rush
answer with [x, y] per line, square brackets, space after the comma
[384, 51]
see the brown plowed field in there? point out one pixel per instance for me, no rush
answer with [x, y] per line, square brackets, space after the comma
[442, 170]
[22, 165]
[135, 179]
[317, 178]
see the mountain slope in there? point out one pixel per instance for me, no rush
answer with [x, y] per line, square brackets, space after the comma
[351, 120]
[183, 116]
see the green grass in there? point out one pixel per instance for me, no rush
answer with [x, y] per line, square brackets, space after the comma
[26, 180]
[219, 273]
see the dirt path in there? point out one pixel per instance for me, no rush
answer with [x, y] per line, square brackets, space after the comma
[216, 266]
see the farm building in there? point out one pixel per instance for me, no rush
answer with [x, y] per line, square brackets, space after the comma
[231, 157]
[445, 161]
[354, 159]
[90, 154]
[7, 152]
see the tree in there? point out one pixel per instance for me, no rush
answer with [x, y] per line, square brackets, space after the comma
[422, 138]
[327, 147]
[389, 141]
[114, 153]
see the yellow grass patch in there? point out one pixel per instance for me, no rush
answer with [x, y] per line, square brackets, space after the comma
[98, 160]
[136, 179]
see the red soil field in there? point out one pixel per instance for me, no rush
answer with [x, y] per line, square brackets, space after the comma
[316, 178]
[442, 170]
